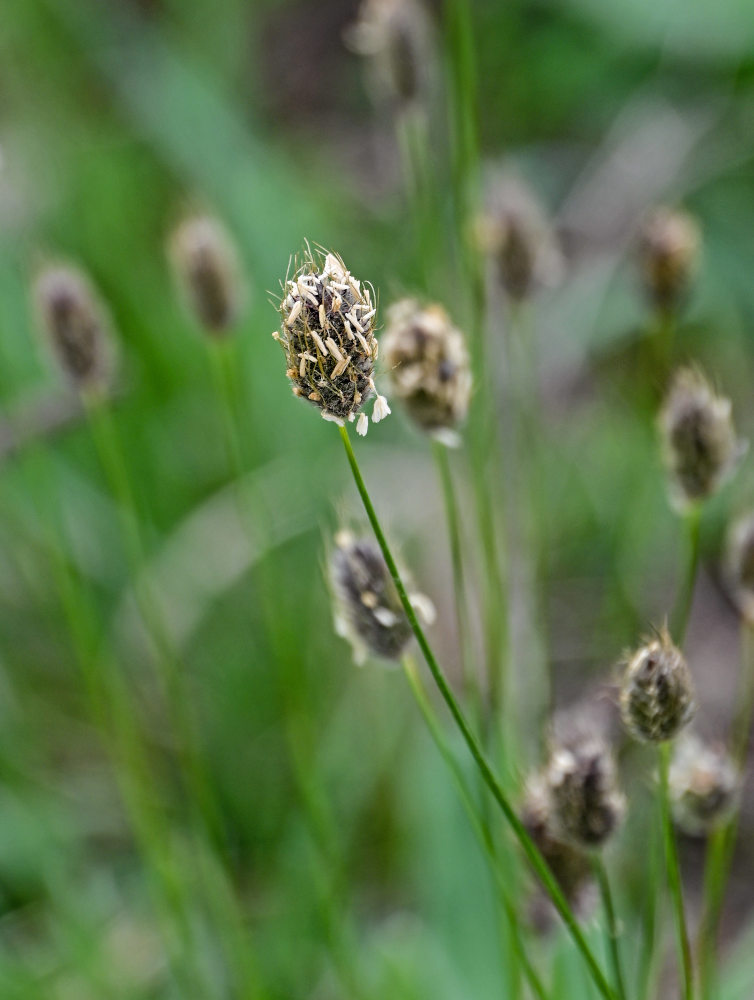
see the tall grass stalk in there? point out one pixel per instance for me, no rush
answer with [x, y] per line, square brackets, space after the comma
[679, 620]
[204, 810]
[675, 882]
[611, 921]
[329, 877]
[532, 852]
[479, 825]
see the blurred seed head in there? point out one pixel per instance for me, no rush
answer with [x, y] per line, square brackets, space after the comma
[397, 36]
[657, 692]
[513, 232]
[429, 366]
[581, 780]
[669, 247]
[740, 565]
[208, 273]
[704, 785]
[569, 865]
[75, 324]
[328, 339]
[368, 609]
[699, 441]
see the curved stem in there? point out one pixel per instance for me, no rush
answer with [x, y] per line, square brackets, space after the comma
[530, 849]
[680, 617]
[674, 873]
[612, 924]
[480, 827]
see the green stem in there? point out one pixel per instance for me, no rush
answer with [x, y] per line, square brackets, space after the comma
[680, 616]
[530, 849]
[723, 840]
[674, 873]
[612, 924]
[480, 827]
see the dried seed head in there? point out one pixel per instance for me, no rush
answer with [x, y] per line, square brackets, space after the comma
[657, 693]
[514, 233]
[581, 781]
[740, 565]
[699, 441]
[569, 864]
[429, 365]
[75, 323]
[328, 340]
[669, 246]
[206, 267]
[704, 785]
[368, 609]
[397, 36]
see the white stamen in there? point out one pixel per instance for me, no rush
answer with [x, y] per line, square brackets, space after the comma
[332, 418]
[362, 425]
[318, 342]
[294, 313]
[380, 410]
[322, 316]
[425, 607]
[364, 343]
[352, 317]
[386, 617]
[339, 368]
[349, 331]
[334, 349]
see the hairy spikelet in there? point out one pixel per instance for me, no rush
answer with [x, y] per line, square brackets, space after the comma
[581, 780]
[328, 340]
[569, 864]
[368, 608]
[206, 267]
[657, 693]
[704, 785]
[396, 36]
[75, 324]
[669, 245]
[429, 365]
[513, 232]
[699, 441]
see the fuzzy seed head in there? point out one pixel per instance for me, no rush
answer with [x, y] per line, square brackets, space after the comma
[328, 339]
[740, 565]
[429, 365]
[514, 234]
[207, 271]
[657, 692]
[396, 36]
[669, 247]
[75, 324]
[368, 608]
[699, 441]
[587, 806]
[569, 864]
[704, 785]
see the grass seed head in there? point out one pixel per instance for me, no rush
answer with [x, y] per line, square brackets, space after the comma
[75, 324]
[207, 271]
[368, 608]
[704, 785]
[397, 36]
[669, 248]
[328, 338]
[568, 863]
[699, 441]
[657, 692]
[429, 365]
[587, 806]
[513, 232]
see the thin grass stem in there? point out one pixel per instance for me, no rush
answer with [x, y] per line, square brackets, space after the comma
[530, 849]
[680, 616]
[675, 883]
[608, 906]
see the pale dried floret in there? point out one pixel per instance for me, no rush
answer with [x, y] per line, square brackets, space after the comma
[429, 365]
[581, 779]
[704, 785]
[669, 246]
